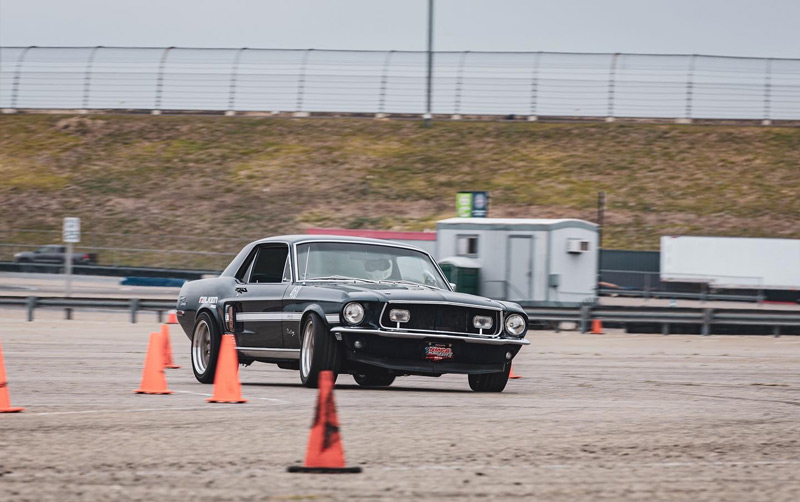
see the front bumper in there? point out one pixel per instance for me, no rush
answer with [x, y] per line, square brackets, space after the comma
[404, 352]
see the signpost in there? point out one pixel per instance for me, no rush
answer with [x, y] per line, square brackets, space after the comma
[71, 235]
[472, 204]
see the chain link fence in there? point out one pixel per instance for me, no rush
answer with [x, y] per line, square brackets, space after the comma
[522, 84]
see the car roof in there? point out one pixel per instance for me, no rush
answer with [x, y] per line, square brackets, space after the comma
[299, 238]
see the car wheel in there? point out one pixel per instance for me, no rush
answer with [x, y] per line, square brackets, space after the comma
[205, 348]
[490, 382]
[318, 352]
[374, 379]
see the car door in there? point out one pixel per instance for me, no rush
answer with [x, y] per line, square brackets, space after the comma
[261, 298]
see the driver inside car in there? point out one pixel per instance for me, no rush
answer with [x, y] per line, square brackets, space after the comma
[378, 269]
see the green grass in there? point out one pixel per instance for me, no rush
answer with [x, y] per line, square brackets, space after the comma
[240, 178]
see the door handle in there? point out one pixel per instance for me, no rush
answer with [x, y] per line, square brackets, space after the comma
[241, 290]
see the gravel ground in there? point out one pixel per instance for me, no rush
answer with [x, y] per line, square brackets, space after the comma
[611, 417]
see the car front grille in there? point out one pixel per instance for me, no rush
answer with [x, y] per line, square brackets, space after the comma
[441, 317]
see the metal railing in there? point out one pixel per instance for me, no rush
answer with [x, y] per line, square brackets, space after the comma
[131, 305]
[520, 84]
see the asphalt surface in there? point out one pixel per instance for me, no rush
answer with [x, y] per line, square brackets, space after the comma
[611, 417]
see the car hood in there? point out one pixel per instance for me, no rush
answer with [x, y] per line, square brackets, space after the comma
[389, 292]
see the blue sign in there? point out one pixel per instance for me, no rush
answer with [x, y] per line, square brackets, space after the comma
[472, 204]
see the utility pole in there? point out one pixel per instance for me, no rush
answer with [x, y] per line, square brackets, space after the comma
[429, 86]
[601, 210]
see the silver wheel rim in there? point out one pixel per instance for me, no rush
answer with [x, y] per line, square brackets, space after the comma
[308, 349]
[201, 347]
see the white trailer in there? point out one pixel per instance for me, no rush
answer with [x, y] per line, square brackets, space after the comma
[529, 261]
[732, 262]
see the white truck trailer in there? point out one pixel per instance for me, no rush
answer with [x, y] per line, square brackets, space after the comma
[732, 262]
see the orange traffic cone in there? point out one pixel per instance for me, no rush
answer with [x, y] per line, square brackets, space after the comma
[5, 398]
[227, 388]
[325, 453]
[154, 381]
[172, 317]
[168, 362]
[511, 374]
[597, 327]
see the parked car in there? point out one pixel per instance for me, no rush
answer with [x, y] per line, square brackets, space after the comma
[54, 253]
[374, 309]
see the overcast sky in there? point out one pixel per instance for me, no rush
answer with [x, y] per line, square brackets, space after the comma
[766, 28]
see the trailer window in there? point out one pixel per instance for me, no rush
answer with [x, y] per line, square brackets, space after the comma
[467, 245]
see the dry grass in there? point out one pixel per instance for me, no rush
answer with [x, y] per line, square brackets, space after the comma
[245, 178]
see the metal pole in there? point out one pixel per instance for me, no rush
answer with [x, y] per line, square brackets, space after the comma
[459, 83]
[17, 73]
[160, 80]
[429, 86]
[601, 210]
[535, 87]
[87, 79]
[384, 82]
[232, 86]
[68, 270]
[612, 77]
[301, 82]
[689, 87]
[767, 93]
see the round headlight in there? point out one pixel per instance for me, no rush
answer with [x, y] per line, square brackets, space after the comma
[515, 324]
[353, 313]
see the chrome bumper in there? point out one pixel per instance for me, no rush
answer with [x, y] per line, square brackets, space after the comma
[416, 336]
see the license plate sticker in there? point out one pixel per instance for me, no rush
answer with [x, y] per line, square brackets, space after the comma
[438, 352]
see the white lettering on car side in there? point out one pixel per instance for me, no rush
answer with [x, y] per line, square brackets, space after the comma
[208, 299]
[294, 292]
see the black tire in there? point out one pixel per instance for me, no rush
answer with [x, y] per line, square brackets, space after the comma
[318, 353]
[206, 339]
[374, 379]
[490, 382]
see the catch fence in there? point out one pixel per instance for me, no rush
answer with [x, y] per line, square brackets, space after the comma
[518, 84]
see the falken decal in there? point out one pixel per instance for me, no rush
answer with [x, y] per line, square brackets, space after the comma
[208, 299]
[294, 292]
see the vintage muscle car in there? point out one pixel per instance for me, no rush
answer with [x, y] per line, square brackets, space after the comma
[374, 309]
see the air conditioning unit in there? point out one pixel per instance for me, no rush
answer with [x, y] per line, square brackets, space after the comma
[577, 246]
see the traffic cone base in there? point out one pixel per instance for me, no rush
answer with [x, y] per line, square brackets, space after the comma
[154, 381]
[227, 388]
[5, 397]
[511, 374]
[597, 327]
[325, 453]
[168, 362]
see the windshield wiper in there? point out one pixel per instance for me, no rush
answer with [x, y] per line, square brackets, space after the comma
[340, 278]
[412, 283]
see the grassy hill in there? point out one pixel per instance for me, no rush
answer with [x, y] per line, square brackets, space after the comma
[211, 183]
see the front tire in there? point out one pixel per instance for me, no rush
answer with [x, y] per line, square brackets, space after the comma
[206, 339]
[490, 382]
[318, 352]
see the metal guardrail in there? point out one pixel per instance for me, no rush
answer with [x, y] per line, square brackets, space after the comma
[106, 270]
[701, 296]
[132, 305]
[705, 318]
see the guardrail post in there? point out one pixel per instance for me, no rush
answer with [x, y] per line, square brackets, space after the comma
[767, 93]
[384, 82]
[134, 309]
[233, 81]
[776, 331]
[160, 316]
[612, 78]
[160, 81]
[459, 85]
[31, 306]
[68, 313]
[585, 314]
[534, 113]
[87, 78]
[708, 315]
[301, 82]
[689, 88]
[665, 328]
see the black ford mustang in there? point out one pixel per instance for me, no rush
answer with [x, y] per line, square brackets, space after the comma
[371, 308]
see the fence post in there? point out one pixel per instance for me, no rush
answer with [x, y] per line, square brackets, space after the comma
[708, 314]
[160, 80]
[232, 85]
[134, 309]
[767, 93]
[689, 90]
[17, 73]
[301, 84]
[585, 314]
[534, 115]
[31, 304]
[384, 83]
[87, 78]
[612, 78]
[459, 84]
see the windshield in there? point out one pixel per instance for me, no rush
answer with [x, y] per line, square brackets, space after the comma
[369, 262]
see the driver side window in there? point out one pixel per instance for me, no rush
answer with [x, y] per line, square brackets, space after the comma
[271, 265]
